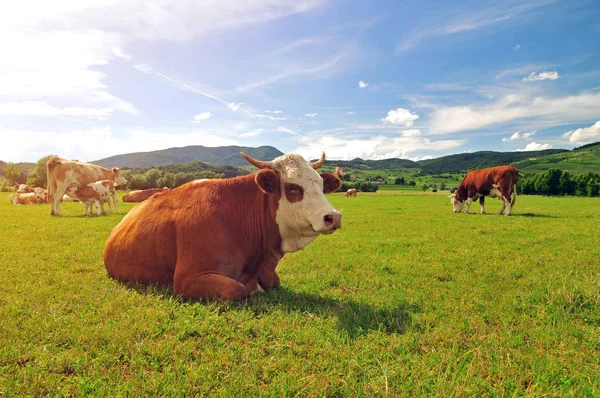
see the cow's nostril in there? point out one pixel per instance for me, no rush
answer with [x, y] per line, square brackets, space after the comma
[328, 219]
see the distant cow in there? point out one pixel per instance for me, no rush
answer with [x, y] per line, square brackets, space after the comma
[23, 188]
[223, 238]
[496, 182]
[38, 196]
[143, 194]
[351, 192]
[97, 193]
[64, 175]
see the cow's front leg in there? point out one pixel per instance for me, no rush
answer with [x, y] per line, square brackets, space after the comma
[482, 204]
[208, 285]
[506, 202]
[503, 205]
[469, 201]
[268, 279]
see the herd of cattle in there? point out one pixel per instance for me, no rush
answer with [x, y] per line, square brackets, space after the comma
[223, 238]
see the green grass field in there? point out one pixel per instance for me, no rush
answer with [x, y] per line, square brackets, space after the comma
[406, 299]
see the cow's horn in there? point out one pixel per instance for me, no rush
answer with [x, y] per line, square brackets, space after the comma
[319, 163]
[261, 164]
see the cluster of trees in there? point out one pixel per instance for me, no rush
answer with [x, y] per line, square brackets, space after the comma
[154, 178]
[560, 182]
[361, 186]
[16, 174]
[402, 181]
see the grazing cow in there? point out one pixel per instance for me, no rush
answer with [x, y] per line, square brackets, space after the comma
[64, 175]
[223, 238]
[97, 193]
[143, 194]
[23, 188]
[351, 192]
[496, 182]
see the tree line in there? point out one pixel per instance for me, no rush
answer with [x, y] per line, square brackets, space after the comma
[559, 182]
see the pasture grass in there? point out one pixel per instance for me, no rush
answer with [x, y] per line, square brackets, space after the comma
[406, 299]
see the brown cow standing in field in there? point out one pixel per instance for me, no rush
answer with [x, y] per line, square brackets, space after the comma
[351, 192]
[64, 175]
[142, 194]
[496, 182]
[222, 239]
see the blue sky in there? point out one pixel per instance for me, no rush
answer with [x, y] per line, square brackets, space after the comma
[369, 79]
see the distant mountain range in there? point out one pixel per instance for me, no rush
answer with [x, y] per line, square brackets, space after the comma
[217, 156]
[582, 159]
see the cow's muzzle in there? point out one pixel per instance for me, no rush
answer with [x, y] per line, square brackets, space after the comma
[332, 221]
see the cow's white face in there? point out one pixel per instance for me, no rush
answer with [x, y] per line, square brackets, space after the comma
[304, 212]
[119, 179]
[457, 205]
[40, 197]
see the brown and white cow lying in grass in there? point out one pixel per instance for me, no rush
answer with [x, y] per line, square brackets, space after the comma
[496, 182]
[223, 238]
[96, 193]
[37, 196]
[23, 188]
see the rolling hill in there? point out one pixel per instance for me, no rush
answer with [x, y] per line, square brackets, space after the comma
[218, 156]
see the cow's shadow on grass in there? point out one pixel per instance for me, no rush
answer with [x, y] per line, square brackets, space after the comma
[353, 317]
[533, 215]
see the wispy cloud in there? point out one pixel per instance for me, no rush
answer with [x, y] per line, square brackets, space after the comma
[521, 70]
[517, 47]
[311, 114]
[274, 118]
[362, 84]
[464, 23]
[313, 71]
[515, 108]
[299, 44]
[41, 108]
[535, 77]
[520, 136]
[351, 113]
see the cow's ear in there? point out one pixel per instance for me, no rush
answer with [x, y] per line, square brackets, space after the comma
[331, 182]
[115, 170]
[268, 181]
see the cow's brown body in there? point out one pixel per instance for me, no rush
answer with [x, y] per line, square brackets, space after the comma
[24, 199]
[496, 182]
[351, 192]
[216, 239]
[67, 175]
[143, 194]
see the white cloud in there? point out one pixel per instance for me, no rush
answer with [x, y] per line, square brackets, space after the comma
[584, 135]
[276, 112]
[362, 84]
[311, 114]
[400, 116]
[271, 117]
[535, 77]
[517, 47]
[351, 113]
[534, 146]
[516, 108]
[202, 116]
[78, 143]
[518, 136]
[252, 133]
[520, 71]
[377, 147]
[40, 108]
